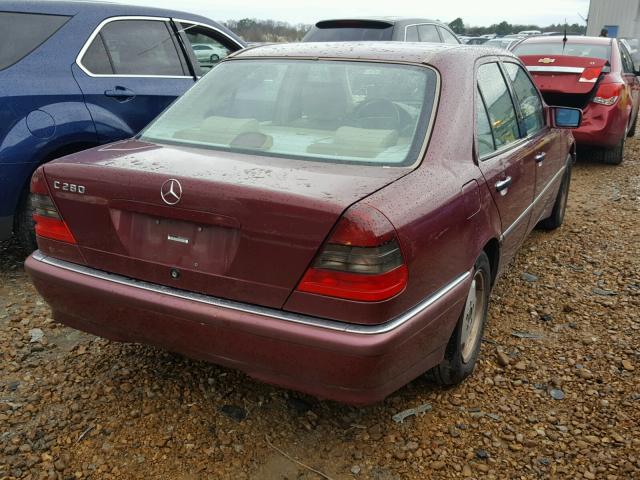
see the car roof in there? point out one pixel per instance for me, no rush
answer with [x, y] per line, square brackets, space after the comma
[75, 7]
[391, 20]
[570, 38]
[426, 53]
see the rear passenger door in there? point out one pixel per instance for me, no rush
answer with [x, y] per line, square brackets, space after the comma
[505, 165]
[541, 146]
[129, 71]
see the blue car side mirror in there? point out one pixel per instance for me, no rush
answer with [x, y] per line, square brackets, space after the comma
[565, 117]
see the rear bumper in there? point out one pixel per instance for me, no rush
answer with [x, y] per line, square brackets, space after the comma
[602, 126]
[350, 363]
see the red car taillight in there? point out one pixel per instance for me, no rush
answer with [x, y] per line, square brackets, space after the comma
[608, 93]
[360, 261]
[49, 223]
[590, 75]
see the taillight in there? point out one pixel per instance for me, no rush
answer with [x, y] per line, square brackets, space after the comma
[49, 223]
[590, 75]
[360, 261]
[608, 93]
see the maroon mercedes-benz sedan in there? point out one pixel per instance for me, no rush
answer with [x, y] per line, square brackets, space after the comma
[326, 217]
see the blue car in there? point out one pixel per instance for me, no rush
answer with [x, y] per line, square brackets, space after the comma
[75, 75]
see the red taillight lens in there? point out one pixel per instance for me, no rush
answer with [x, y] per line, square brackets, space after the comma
[590, 75]
[608, 93]
[49, 224]
[361, 260]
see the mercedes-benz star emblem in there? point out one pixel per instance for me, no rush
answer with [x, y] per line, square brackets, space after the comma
[171, 191]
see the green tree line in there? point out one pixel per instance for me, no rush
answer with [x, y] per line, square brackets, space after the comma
[254, 30]
[506, 28]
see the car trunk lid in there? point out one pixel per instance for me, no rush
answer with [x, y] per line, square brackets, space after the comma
[566, 80]
[244, 227]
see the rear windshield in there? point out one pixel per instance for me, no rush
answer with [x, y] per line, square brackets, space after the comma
[330, 111]
[349, 31]
[22, 33]
[571, 49]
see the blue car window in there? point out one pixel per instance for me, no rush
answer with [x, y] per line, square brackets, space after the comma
[96, 59]
[141, 47]
[22, 33]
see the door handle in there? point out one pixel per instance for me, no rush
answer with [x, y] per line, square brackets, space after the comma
[503, 185]
[120, 94]
[539, 158]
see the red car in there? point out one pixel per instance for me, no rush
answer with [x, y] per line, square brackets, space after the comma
[320, 216]
[594, 74]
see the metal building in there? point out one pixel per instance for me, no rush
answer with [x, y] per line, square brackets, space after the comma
[620, 17]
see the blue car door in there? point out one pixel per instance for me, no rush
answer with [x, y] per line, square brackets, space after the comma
[130, 70]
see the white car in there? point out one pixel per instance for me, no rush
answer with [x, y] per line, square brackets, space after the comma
[207, 53]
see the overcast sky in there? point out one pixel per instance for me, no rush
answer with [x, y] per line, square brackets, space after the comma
[473, 12]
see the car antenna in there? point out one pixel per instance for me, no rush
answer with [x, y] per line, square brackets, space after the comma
[564, 39]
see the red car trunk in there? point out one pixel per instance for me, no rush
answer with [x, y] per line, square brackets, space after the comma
[566, 80]
[245, 228]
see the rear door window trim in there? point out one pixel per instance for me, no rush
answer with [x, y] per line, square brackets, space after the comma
[99, 28]
[435, 25]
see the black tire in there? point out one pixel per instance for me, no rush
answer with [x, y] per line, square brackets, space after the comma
[214, 58]
[614, 156]
[632, 129]
[24, 225]
[460, 359]
[560, 205]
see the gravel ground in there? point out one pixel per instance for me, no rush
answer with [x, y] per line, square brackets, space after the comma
[556, 393]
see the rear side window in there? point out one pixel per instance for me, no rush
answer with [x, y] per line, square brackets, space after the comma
[627, 62]
[528, 98]
[483, 128]
[134, 47]
[22, 33]
[502, 114]
[429, 33]
[411, 34]
[96, 60]
[448, 37]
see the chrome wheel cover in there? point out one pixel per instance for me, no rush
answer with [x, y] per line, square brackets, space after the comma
[473, 316]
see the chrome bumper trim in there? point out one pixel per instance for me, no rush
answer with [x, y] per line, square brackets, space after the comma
[546, 69]
[254, 309]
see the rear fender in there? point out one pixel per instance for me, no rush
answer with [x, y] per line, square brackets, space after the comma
[111, 126]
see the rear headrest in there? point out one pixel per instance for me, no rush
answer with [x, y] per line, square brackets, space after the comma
[356, 142]
[365, 138]
[229, 125]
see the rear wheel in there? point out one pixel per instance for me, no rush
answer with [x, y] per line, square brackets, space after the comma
[613, 156]
[464, 346]
[24, 224]
[560, 206]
